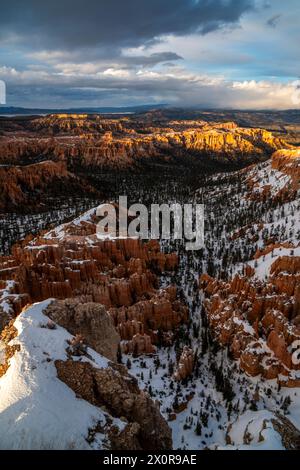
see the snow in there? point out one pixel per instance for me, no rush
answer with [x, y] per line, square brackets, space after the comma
[228, 210]
[60, 231]
[213, 436]
[5, 294]
[33, 397]
[264, 175]
[38, 411]
[294, 409]
[39, 247]
[251, 424]
[287, 219]
[86, 217]
[246, 327]
[262, 265]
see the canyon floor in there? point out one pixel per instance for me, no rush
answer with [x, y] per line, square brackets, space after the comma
[130, 344]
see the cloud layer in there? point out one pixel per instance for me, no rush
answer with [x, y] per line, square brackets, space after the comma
[69, 24]
[210, 53]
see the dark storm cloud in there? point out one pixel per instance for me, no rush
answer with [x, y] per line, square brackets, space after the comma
[273, 21]
[68, 24]
[124, 52]
[152, 59]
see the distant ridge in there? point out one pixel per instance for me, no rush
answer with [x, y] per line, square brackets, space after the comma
[107, 110]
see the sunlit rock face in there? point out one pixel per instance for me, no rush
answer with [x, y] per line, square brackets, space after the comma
[287, 161]
[94, 141]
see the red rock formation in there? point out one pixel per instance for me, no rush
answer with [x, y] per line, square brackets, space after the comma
[185, 365]
[139, 344]
[6, 335]
[258, 320]
[287, 161]
[91, 141]
[90, 320]
[161, 312]
[12, 299]
[27, 186]
[117, 273]
[119, 393]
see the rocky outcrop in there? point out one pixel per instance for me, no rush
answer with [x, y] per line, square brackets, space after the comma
[90, 320]
[139, 344]
[29, 186]
[12, 297]
[127, 439]
[7, 350]
[121, 274]
[77, 124]
[260, 429]
[256, 313]
[86, 401]
[119, 394]
[290, 435]
[257, 319]
[185, 365]
[279, 181]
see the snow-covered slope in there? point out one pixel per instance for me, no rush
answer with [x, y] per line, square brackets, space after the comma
[255, 430]
[237, 386]
[38, 411]
[252, 219]
[57, 393]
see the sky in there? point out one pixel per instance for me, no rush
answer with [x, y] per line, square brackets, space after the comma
[241, 54]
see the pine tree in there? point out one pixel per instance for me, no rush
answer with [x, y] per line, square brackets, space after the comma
[171, 368]
[198, 429]
[253, 405]
[286, 404]
[229, 410]
[119, 355]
